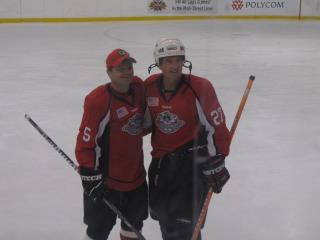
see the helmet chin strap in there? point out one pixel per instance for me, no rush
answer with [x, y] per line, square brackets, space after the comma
[186, 64]
[153, 65]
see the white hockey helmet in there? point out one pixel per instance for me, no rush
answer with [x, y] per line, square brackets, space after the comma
[167, 47]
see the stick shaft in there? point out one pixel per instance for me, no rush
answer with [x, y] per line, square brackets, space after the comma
[241, 106]
[52, 143]
[206, 203]
[75, 167]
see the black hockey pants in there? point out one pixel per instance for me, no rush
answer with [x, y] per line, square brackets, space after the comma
[176, 194]
[100, 219]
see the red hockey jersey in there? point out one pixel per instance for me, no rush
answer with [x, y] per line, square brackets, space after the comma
[178, 115]
[110, 135]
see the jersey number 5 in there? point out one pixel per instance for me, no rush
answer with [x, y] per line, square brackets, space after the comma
[86, 134]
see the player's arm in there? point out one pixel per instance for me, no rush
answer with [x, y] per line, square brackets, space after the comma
[91, 176]
[86, 139]
[213, 118]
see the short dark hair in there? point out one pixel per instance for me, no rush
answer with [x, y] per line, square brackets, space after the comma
[161, 59]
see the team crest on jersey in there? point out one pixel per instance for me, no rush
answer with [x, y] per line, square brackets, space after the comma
[168, 122]
[121, 112]
[134, 125]
[153, 101]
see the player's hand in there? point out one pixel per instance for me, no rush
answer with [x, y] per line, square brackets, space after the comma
[92, 182]
[215, 173]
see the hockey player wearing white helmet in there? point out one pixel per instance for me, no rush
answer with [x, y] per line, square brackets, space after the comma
[189, 141]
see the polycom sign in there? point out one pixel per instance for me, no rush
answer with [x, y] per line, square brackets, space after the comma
[247, 4]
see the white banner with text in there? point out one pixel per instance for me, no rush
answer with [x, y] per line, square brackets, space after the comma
[182, 7]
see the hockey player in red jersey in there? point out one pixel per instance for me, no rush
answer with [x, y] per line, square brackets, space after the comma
[189, 140]
[109, 151]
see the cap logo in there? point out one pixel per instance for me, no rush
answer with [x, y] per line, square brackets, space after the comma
[122, 52]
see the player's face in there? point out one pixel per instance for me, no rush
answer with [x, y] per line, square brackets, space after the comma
[121, 76]
[171, 67]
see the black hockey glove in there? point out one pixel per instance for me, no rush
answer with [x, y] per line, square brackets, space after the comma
[92, 182]
[215, 172]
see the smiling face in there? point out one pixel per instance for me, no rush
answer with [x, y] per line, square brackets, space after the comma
[121, 76]
[171, 67]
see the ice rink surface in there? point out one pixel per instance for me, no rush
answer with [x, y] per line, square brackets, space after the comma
[274, 190]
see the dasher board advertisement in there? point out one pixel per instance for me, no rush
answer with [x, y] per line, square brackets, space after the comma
[259, 7]
[182, 7]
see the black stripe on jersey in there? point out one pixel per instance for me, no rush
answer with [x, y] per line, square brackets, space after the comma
[104, 145]
[162, 89]
[121, 98]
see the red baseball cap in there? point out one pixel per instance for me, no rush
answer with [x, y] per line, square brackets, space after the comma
[116, 57]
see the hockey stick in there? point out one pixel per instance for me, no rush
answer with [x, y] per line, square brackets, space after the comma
[205, 206]
[75, 167]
